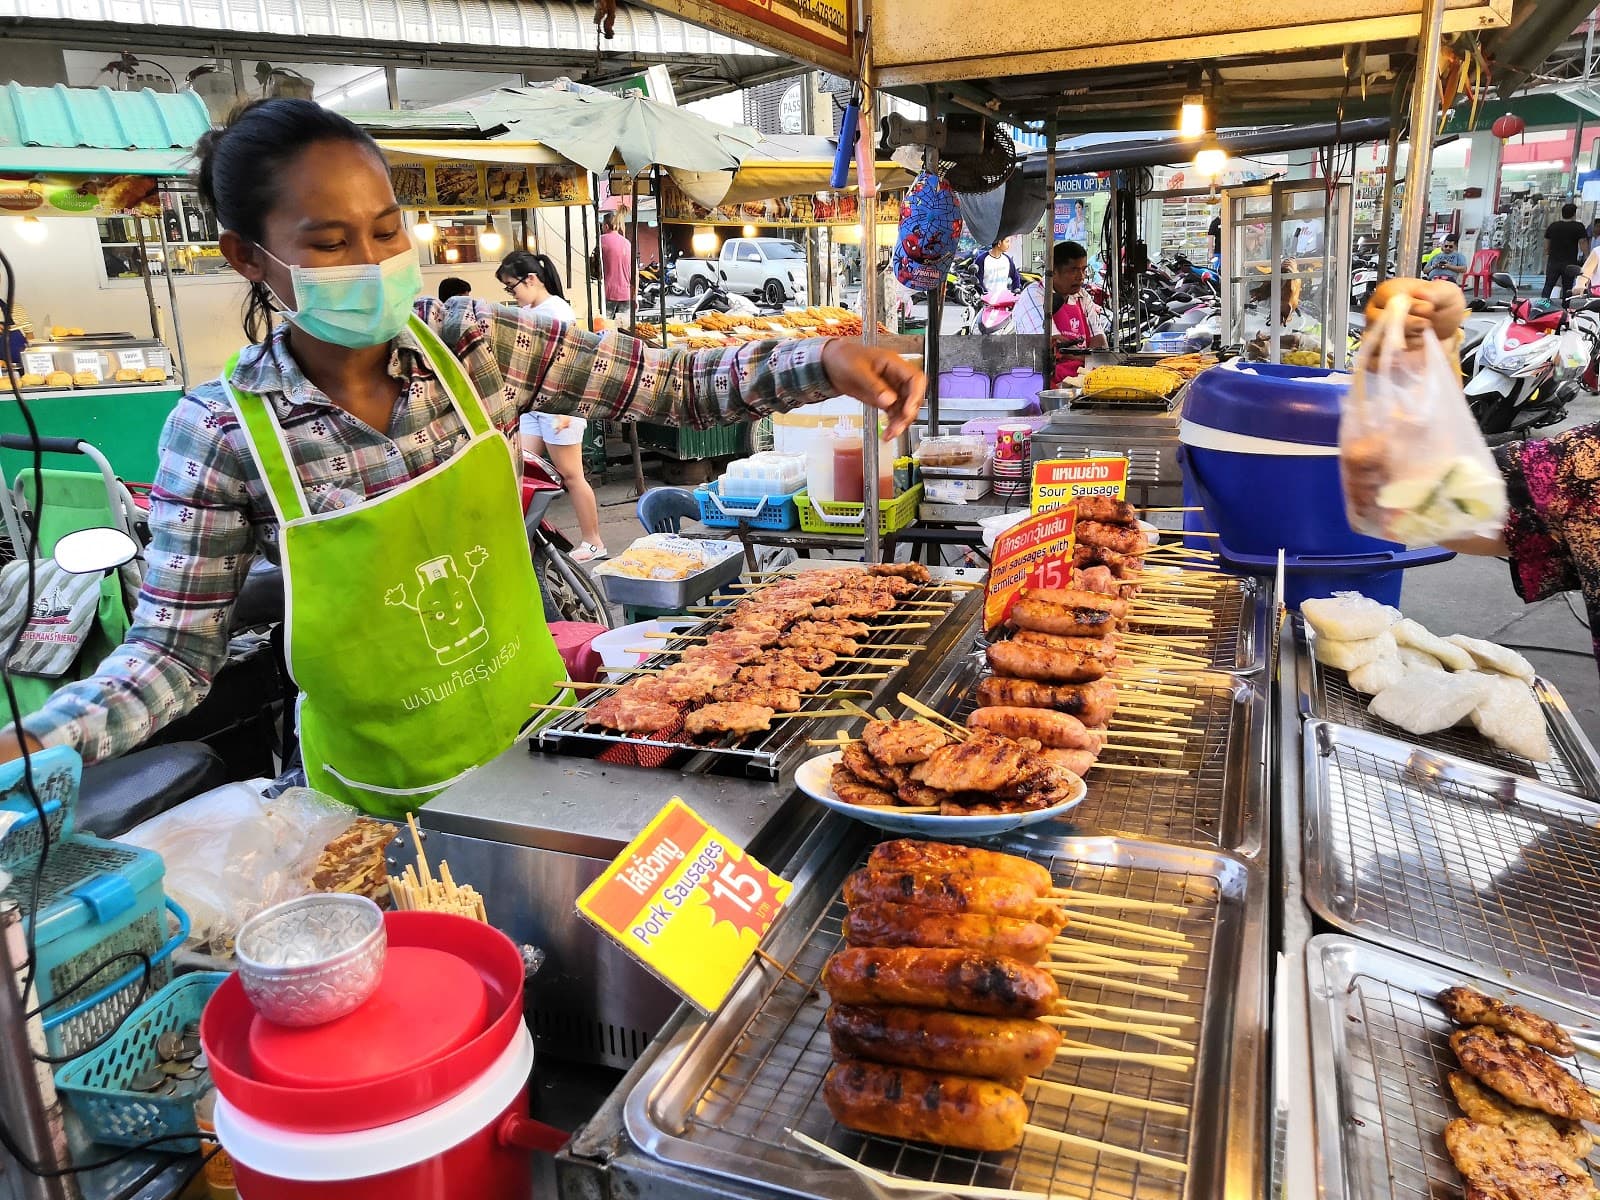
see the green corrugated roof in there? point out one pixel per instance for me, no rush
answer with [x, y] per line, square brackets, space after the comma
[98, 131]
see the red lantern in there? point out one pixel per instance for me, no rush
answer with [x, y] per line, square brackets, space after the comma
[1508, 126]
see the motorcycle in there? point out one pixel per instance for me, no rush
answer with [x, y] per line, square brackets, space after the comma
[650, 277]
[998, 315]
[1523, 372]
[568, 591]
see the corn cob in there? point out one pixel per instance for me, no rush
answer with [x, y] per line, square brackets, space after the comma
[1131, 382]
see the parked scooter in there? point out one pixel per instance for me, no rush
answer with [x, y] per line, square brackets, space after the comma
[998, 314]
[650, 284]
[1525, 371]
[569, 592]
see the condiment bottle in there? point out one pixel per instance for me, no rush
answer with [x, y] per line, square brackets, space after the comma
[219, 1180]
[819, 466]
[848, 484]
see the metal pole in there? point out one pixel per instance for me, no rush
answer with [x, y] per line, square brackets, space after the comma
[149, 287]
[1114, 256]
[172, 289]
[1386, 223]
[1047, 299]
[935, 325]
[589, 281]
[633, 322]
[871, 305]
[661, 249]
[1419, 162]
[22, 1106]
[566, 240]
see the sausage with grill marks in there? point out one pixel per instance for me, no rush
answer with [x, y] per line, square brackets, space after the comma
[1045, 664]
[1092, 703]
[1030, 612]
[1053, 730]
[945, 889]
[902, 853]
[1074, 597]
[880, 924]
[1002, 1048]
[951, 980]
[925, 1106]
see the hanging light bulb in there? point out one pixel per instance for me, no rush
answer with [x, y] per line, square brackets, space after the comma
[451, 254]
[491, 241]
[423, 230]
[1192, 117]
[32, 230]
[704, 241]
[1211, 159]
[749, 231]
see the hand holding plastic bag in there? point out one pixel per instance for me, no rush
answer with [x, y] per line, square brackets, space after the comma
[1415, 468]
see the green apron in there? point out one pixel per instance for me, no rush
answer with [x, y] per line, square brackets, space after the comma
[413, 624]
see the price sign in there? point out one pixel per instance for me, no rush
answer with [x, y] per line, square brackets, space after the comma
[1059, 481]
[687, 903]
[38, 362]
[130, 360]
[87, 362]
[1036, 553]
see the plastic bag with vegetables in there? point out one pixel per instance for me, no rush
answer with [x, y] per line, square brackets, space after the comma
[1415, 468]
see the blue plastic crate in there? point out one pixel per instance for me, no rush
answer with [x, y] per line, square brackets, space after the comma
[56, 775]
[762, 512]
[98, 1084]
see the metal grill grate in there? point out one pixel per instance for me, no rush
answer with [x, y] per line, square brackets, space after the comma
[1572, 768]
[1236, 640]
[1382, 1041]
[1454, 862]
[736, 1118]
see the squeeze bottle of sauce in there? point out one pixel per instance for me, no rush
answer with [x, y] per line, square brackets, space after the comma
[887, 453]
[819, 466]
[848, 485]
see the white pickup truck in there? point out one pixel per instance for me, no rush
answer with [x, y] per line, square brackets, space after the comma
[772, 268]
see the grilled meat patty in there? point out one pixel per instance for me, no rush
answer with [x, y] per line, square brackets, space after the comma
[1522, 1073]
[982, 763]
[1498, 1166]
[728, 716]
[901, 742]
[1468, 1006]
[1490, 1108]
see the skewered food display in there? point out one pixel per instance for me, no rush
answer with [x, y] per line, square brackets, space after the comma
[1423, 683]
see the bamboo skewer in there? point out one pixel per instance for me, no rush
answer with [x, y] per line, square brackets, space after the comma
[1156, 1036]
[1141, 749]
[1137, 989]
[1131, 769]
[1086, 1050]
[1095, 900]
[1072, 1089]
[1128, 732]
[1109, 966]
[1120, 928]
[1105, 1023]
[1132, 953]
[1169, 1018]
[416, 889]
[895, 1183]
[1072, 1139]
[868, 662]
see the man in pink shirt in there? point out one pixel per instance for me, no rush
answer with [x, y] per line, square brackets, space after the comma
[616, 267]
[1076, 317]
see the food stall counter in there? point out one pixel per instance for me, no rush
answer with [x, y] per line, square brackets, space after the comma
[122, 421]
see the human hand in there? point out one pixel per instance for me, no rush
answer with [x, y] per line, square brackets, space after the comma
[1439, 305]
[879, 378]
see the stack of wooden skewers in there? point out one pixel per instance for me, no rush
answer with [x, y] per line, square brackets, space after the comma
[947, 1005]
[418, 891]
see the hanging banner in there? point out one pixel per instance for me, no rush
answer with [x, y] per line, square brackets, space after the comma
[805, 211]
[441, 186]
[41, 195]
[1034, 553]
[826, 24]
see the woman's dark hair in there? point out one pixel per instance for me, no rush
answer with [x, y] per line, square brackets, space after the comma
[519, 264]
[238, 167]
[451, 287]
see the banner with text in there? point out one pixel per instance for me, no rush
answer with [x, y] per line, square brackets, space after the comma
[40, 195]
[687, 903]
[443, 186]
[827, 24]
[1035, 553]
[808, 210]
[1057, 482]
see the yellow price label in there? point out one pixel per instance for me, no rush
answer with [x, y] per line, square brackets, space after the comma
[687, 903]
[1057, 482]
[1034, 553]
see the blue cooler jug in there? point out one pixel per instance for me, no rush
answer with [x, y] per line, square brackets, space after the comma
[1260, 454]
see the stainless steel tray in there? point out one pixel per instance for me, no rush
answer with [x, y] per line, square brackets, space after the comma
[1380, 1054]
[1326, 695]
[1220, 803]
[723, 1097]
[1458, 864]
[675, 593]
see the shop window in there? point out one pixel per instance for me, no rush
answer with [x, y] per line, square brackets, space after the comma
[191, 237]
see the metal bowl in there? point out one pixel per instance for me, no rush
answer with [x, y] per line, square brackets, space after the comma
[312, 960]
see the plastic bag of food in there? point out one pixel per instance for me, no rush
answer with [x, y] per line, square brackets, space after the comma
[1415, 468]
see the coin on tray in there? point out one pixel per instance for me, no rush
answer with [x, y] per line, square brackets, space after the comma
[168, 1044]
[148, 1081]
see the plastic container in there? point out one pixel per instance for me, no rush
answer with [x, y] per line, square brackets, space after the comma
[955, 451]
[1019, 383]
[613, 645]
[954, 491]
[759, 512]
[819, 463]
[849, 487]
[963, 383]
[725, 561]
[846, 519]
[766, 474]
[988, 428]
[98, 1085]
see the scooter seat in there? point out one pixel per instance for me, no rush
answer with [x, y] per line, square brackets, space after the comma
[123, 792]
[260, 600]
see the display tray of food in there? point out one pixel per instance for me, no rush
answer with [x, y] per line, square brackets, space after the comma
[1457, 863]
[1119, 1057]
[1521, 726]
[1432, 1083]
[747, 684]
[665, 571]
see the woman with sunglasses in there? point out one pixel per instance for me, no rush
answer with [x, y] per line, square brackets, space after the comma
[533, 284]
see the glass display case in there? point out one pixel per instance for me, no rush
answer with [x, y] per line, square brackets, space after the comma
[1285, 267]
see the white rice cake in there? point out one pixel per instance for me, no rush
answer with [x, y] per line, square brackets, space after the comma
[1347, 656]
[1418, 660]
[1377, 675]
[1491, 657]
[1427, 701]
[1348, 616]
[1409, 633]
[1511, 718]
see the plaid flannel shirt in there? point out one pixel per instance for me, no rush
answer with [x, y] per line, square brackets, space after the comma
[210, 515]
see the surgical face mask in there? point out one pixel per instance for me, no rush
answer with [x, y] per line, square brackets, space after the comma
[357, 306]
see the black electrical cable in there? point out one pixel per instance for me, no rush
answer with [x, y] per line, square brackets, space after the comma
[84, 982]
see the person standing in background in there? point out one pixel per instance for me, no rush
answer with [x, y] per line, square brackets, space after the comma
[452, 287]
[1566, 243]
[616, 266]
[1449, 264]
[997, 271]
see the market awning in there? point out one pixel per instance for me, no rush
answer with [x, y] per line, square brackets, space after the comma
[465, 150]
[96, 131]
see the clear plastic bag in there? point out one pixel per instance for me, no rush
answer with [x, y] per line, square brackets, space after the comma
[1416, 469]
[230, 853]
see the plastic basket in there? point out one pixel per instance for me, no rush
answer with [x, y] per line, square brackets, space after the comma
[846, 519]
[98, 1084]
[679, 441]
[761, 512]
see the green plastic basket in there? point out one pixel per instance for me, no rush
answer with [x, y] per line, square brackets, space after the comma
[679, 441]
[846, 519]
[97, 1085]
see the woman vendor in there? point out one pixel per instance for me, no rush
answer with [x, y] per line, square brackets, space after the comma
[1552, 528]
[362, 444]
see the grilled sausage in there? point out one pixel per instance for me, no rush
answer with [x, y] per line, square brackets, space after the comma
[1076, 597]
[1045, 664]
[946, 890]
[907, 925]
[1053, 730]
[1123, 566]
[924, 1106]
[1123, 539]
[951, 980]
[1030, 612]
[1092, 703]
[1076, 761]
[1108, 509]
[1100, 648]
[1002, 1048]
[903, 853]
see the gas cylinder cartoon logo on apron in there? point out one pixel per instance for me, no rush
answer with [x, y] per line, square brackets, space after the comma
[451, 619]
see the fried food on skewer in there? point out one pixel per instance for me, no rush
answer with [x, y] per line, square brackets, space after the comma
[691, 682]
[1468, 1006]
[1107, 510]
[1055, 730]
[836, 629]
[807, 656]
[1499, 1166]
[842, 646]
[1092, 703]
[1522, 1074]
[915, 572]
[1524, 1124]
[736, 652]
[901, 853]
[902, 742]
[728, 716]
[774, 672]
[630, 714]
[742, 690]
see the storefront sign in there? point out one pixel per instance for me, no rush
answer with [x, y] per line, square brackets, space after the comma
[42, 195]
[805, 211]
[468, 186]
[1036, 553]
[687, 903]
[823, 23]
[1082, 185]
[1057, 482]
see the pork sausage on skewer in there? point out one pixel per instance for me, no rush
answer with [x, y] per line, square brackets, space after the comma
[879, 924]
[1053, 730]
[1122, 539]
[1102, 649]
[902, 853]
[923, 1106]
[1029, 612]
[1092, 703]
[951, 980]
[988, 1047]
[946, 890]
[1107, 509]
[1076, 761]
[1076, 597]
[1044, 664]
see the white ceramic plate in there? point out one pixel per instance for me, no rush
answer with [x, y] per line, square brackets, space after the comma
[814, 778]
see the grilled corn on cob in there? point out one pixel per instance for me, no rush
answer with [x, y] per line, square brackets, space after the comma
[1131, 382]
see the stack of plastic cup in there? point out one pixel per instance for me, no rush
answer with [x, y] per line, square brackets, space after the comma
[1013, 460]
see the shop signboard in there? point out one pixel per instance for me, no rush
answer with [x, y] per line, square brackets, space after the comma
[1035, 553]
[805, 211]
[1057, 482]
[1082, 185]
[687, 903]
[825, 24]
[438, 185]
[43, 195]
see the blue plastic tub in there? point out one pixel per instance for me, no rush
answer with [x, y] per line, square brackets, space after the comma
[1307, 576]
[762, 512]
